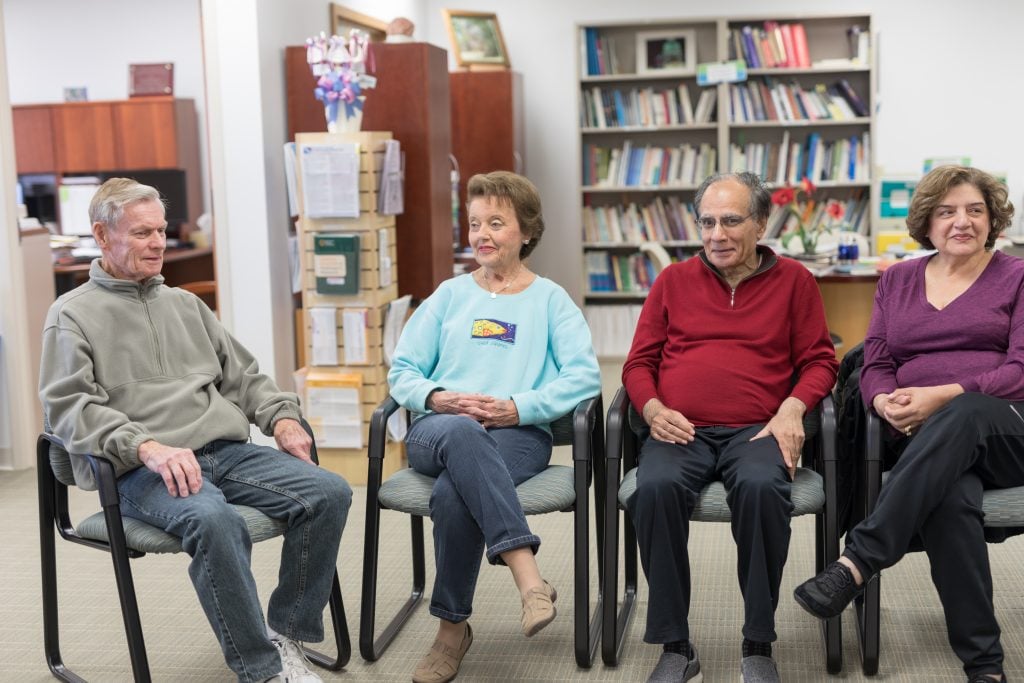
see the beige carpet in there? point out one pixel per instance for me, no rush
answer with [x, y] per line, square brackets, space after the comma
[182, 647]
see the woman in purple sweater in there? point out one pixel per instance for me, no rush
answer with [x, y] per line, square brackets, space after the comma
[944, 366]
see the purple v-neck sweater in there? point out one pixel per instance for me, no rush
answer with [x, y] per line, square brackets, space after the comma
[976, 341]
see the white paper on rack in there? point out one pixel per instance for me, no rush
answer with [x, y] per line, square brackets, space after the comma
[294, 264]
[289, 178]
[385, 257]
[334, 414]
[390, 201]
[353, 329]
[393, 324]
[324, 335]
[330, 180]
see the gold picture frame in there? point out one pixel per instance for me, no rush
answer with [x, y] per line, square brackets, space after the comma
[344, 20]
[476, 38]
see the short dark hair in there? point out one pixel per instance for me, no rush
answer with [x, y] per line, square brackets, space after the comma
[519, 193]
[760, 198]
[936, 185]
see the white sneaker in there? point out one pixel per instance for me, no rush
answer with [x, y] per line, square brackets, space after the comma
[295, 666]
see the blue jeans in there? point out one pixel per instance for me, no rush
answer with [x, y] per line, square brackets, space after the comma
[313, 502]
[474, 501]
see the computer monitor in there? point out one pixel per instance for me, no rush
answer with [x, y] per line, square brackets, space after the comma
[172, 186]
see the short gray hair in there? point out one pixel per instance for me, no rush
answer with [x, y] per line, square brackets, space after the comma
[108, 204]
[760, 196]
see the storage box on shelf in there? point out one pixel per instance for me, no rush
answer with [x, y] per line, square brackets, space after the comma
[650, 134]
[367, 245]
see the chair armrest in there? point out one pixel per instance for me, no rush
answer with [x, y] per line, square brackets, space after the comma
[379, 427]
[106, 482]
[585, 416]
[827, 409]
[312, 447]
[873, 436]
[54, 439]
[617, 423]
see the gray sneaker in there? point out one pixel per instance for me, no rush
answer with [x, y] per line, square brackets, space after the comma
[676, 668]
[758, 669]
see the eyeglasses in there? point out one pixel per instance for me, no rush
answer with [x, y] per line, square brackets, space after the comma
[729, 221]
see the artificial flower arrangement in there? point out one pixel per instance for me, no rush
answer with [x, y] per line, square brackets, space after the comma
[340, 65]
[801, 223]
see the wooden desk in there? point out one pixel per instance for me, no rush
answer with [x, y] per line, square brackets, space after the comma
[180, 266]
[848, 302]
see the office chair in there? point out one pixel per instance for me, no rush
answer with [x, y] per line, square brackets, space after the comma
[129, 538]
[1000, 507]
[814, 492]
[558, 488]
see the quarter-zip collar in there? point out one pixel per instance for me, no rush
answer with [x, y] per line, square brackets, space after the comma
[129, 289]
[768, 260]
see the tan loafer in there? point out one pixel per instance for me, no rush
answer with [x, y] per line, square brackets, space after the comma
[538, 608]
[442, 662]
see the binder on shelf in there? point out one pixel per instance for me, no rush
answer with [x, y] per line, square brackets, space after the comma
[336, 263]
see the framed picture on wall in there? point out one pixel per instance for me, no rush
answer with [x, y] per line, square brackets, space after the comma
[344, 20]
[672, 51]
[476, 38]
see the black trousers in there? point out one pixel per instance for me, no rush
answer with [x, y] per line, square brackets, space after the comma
[669, 480]
[975, 442]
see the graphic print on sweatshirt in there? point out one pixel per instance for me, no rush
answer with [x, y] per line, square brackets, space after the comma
[493, 330]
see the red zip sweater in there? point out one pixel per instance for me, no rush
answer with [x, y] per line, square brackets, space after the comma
[729, 357]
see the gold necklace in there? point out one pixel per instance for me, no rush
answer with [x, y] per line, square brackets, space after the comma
[494, 294]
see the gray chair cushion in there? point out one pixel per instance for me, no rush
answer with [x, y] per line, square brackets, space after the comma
[1002, 507]
[552, 490]
[149, 539]
[808, 496]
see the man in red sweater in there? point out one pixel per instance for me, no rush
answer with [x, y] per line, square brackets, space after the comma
[730, 351]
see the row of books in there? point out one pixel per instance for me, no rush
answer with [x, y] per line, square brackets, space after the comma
[659, 221]
[645, 107]
[612, 328]
[842, 160]
[629, 166]
[601, 58]
[773, 45]
[769, 100]
[626, 273]
[856, 210]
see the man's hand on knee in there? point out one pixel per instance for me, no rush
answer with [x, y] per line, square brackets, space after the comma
[177, 466]
[293, 439]
[787, 426]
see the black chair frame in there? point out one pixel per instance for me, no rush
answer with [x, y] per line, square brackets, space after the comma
[588, 438]
[54, 516]
[623, 446]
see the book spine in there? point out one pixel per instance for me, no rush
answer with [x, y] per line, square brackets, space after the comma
[803, 55]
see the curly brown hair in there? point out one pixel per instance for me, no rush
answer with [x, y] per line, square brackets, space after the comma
[937, 184]
[519, 193]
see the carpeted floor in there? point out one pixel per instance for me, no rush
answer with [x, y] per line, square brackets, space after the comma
[182, 647]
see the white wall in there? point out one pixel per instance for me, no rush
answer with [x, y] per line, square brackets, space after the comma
[950, 85]
[67, 43]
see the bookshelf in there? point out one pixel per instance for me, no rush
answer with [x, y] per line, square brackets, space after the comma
[650, 133]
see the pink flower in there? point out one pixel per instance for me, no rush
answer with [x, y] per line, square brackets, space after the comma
[835, 209]
[783, 196]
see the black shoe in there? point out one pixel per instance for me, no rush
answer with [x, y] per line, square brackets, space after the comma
[828, 593]
[986, 678]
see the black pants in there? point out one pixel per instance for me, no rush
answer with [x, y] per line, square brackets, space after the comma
[669, 480]
[975, 442]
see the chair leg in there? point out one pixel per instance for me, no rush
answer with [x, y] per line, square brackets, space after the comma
[586, 627]
[343, 646]
[48, 572]
[868, 611]
[126, 593]
[370, 648]
[616, 616]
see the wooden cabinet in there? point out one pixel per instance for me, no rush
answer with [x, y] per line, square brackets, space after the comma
[141, 141]
[412, 101]
[33, 135]
[487, 127]
[83, 134]
[153, 133]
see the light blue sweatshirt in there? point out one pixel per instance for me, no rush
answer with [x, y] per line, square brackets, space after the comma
[533, 347]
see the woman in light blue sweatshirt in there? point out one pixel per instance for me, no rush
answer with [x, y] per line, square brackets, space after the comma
[488, 361]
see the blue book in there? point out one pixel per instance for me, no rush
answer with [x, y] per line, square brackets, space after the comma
[854, 143]
[750, 49]
[593, 66]
[620, 110]
[812, 145]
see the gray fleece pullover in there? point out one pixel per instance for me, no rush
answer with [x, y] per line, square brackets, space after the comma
[125, 362]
